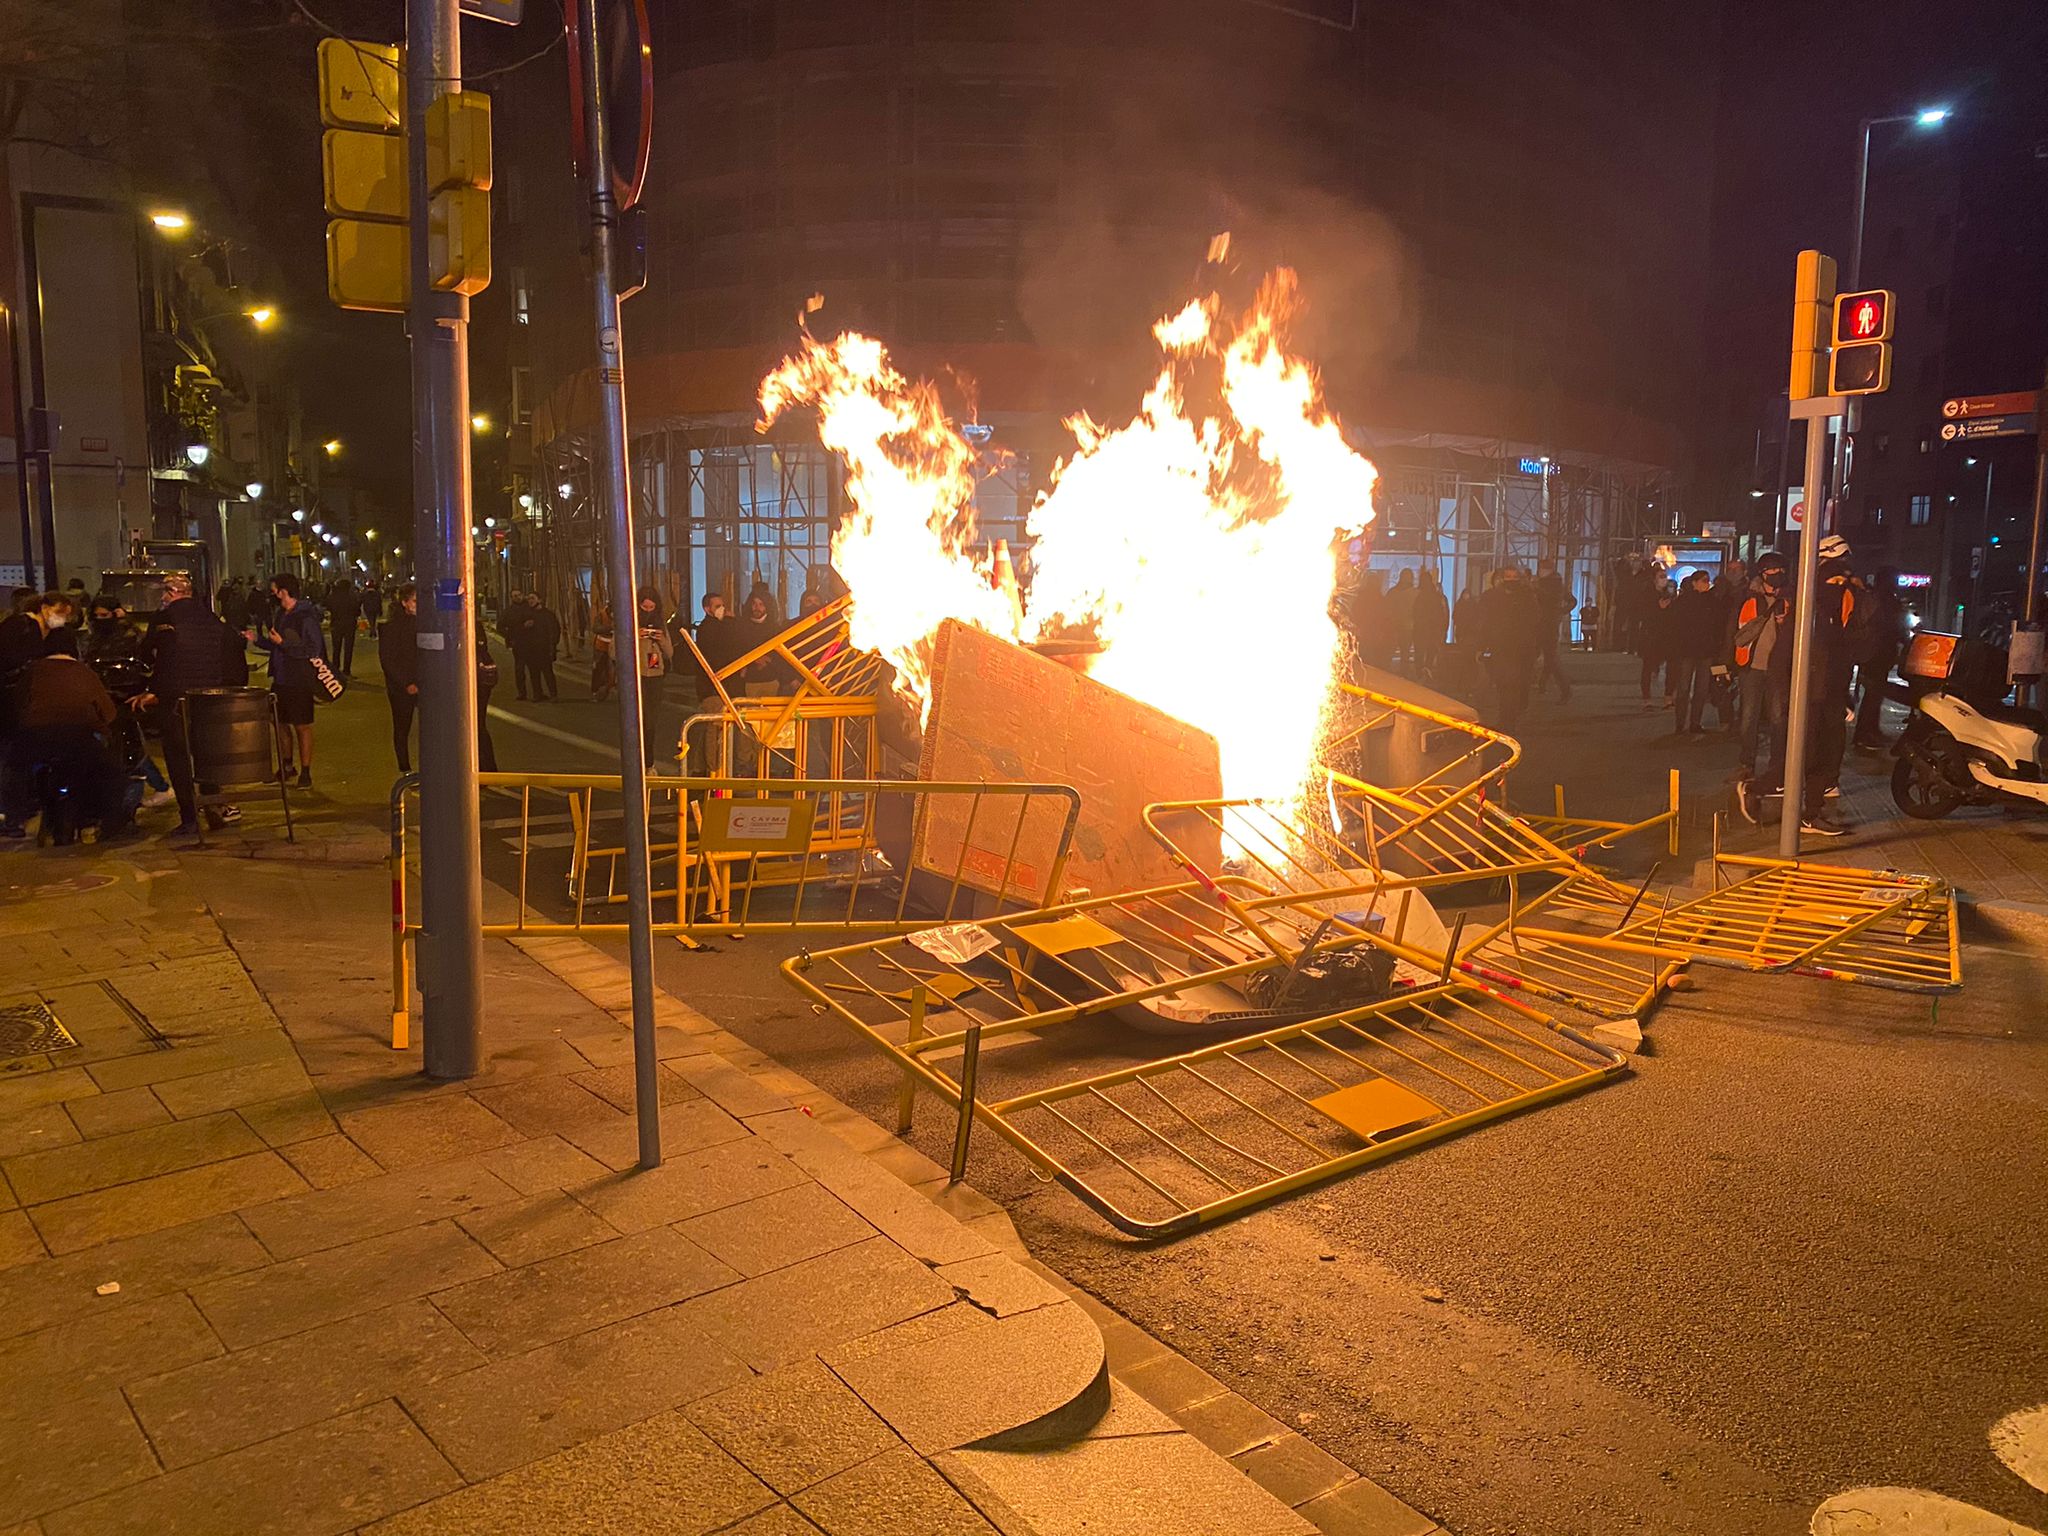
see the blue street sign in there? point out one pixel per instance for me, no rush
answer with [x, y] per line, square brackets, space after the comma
[2023, 425]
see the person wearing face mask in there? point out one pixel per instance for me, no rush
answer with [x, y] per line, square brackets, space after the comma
[657, 656]
[36, 627]
[62, 727]
[718, 640]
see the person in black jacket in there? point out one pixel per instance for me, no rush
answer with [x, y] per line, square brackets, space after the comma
[398, 649]
[343, 608]
[292, 641]
[1696, 639]
[189, 648]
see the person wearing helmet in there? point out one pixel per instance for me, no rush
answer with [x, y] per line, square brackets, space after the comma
[1836, 634]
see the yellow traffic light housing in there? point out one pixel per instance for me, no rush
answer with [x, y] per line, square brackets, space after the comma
[360, 87]
[1813, 297]
[459, 141]
[459, 240]
[364, 174]
[369, 264]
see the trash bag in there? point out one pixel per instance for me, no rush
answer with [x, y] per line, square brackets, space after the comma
[1326, 981]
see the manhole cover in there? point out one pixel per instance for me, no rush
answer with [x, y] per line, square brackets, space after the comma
[30, 1029]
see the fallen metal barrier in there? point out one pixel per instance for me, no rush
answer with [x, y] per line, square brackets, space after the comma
[1583, 833]
[1877, 927]
[1324, 1088]
[1310, 884]
[793, 856]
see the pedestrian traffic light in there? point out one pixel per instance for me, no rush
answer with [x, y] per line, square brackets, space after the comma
[1861, 363]
[1863, 316]
[1813, 291]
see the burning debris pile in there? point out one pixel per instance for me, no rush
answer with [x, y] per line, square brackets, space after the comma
[1225, 491]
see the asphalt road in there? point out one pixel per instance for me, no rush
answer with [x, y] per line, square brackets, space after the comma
[1798, 1248]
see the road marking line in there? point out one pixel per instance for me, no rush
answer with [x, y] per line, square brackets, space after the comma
[553, 732]
[2020, 1440]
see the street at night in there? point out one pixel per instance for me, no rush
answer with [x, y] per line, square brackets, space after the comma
[940, 768]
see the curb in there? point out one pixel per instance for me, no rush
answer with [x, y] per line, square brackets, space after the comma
[1319, 1488]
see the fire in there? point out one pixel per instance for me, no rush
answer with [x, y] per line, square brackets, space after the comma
[1194, 540]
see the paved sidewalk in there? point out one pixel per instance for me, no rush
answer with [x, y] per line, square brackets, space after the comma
[260, 1276]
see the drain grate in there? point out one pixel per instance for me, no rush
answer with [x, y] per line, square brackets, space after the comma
[30, 1029]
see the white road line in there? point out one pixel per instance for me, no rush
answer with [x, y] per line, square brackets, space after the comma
[2020, 1440]
[554, 733]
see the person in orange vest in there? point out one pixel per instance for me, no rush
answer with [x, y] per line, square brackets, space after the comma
[1759, 629]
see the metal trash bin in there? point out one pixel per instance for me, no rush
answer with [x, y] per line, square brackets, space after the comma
[232, 736]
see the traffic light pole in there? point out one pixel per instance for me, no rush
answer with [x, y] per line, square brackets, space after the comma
[1800, 706]
[613, 484]
[451, 871]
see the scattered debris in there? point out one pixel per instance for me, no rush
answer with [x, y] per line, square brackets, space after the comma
[109, 1288]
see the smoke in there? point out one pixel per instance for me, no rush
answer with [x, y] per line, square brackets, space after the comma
[1157, 156]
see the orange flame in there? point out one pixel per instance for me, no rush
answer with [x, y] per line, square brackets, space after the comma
[1194, 543]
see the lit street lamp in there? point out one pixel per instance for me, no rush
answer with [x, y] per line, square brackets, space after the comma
[332, 447]
[198, 454]
[170, 221]
[1926, 117]
[480, 423]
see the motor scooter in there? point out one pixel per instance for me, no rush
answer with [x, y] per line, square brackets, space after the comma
[1964, 744]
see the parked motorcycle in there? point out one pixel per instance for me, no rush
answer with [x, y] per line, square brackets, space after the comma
[1964, 744]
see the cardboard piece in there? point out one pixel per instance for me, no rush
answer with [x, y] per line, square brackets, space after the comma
[1002, 712]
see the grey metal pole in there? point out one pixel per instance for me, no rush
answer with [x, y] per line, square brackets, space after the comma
[1801, 705]
[609, 461]
[1852, 422]
[451, 869]
[2031, 612]
[1983, 544]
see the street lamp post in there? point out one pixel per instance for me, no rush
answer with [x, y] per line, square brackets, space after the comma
[1925, 117]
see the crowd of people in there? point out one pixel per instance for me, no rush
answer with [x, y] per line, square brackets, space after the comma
[1712, 648]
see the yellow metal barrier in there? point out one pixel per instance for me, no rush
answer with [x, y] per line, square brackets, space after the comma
[1309, 879]
[1162, 1147]
[1581, 833]
[902, 854]
[810, 661]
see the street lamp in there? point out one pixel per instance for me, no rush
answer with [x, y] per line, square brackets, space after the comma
[332, 447]
[1926, 117]
[370, 534]
[197, 454]
[480, 423]
[260, 315]
[170, 221]
[254, 489]
[526, 501]
[316, 527]
[565, 490]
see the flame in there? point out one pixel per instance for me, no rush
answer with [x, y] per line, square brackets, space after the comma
[1194, 541]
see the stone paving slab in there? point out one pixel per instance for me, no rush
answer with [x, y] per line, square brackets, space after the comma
[19, 1243]
[334, 1283]
[236, 1400]
[514, 1411]
[1148, 1485]
[232, 1087]
[521, 1309]
[781, 1317]
[793, 1427]
[48, 1460]
[888, 1495]
[129, 1156]
[430, 1130]
[35, 1128]
[330, 1218]
[332, 1477]
[535, 1227]
[660, 1477]
[102, 1351]
[776, 1230]
[152, 1265]
[189, 1061]
[169, 1200]
[689, 1184]
[109, 1114]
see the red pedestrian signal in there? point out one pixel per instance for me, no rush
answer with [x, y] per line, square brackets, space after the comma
[1863, 316]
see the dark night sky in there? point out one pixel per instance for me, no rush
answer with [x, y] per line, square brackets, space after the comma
[1795, 77]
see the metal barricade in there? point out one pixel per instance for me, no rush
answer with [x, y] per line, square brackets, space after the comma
[749, 856]
[1583, 833]
[1313, 885]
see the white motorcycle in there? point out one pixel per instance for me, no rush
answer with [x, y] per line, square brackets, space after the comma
[1964, 745]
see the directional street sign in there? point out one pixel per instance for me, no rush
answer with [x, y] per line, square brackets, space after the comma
[2022, 425]
[2023, 402]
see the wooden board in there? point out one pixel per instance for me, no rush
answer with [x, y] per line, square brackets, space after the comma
[1000, 712]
